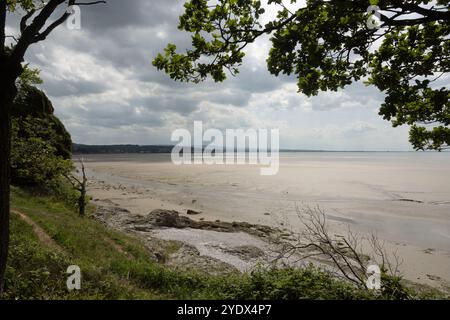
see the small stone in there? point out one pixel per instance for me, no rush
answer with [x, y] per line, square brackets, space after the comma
[192, 212]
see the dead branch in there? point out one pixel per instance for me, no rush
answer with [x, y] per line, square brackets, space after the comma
[344, 252]
[80, 186]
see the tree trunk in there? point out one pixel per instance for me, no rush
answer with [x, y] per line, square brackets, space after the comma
[82, 200]
[7, 94]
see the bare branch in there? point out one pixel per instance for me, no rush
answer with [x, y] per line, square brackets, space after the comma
[32, 33]
[43, 35]
[80, 186]
[88, 3]
[344, 252]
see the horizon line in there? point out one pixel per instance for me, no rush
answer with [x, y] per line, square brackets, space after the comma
[283, 150]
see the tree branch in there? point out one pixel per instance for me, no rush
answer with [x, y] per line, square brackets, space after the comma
[44, 34]
[406, 22]
[434, 14]
[31, 33]
[25, 18]
[2, 26]
[88, 3]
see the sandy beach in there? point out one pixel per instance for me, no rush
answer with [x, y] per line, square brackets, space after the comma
[404, 198]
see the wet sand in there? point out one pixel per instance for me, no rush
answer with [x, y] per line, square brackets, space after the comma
[402, 197]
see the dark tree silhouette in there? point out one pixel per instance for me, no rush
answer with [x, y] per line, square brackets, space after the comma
[36, 25]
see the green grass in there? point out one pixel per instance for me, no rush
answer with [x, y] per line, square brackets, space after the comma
[117, 266]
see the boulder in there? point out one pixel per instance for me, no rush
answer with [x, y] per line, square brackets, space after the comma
[166, 218]
[192, 212]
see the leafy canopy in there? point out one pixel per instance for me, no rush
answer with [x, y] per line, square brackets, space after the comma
[328, 45]
[24, 4]
[41, 146]
[34, 157]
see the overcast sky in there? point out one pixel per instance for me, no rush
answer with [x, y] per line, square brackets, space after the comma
[105, 89]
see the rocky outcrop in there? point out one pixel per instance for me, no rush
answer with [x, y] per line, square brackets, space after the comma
[245, 252]
[213, 254]
[160, 218]
[34, 103]
[188, 257]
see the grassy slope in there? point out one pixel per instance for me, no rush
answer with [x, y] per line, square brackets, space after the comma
[117, 266]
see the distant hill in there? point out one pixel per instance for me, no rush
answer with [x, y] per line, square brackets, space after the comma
[134, 148]
[125, 148]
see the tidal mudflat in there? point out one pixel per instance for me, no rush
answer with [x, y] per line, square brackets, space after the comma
[403, 198]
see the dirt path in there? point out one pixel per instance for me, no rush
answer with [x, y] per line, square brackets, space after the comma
[44, 237]
[40, 233]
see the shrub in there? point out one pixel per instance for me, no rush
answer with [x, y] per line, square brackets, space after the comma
[34, 161]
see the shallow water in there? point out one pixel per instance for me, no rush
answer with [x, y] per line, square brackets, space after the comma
[402, 196]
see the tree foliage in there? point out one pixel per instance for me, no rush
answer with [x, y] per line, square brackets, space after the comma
[41, 145]
[34, 159]
[328, 45]
[22, 4]
[32, 103]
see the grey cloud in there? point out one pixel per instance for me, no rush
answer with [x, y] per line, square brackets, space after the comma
[358, 129]
[110, 115]
[259, 80]
[61, 88]
[141, 105]
[356, 94]
[119, 13]
[183, 106]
